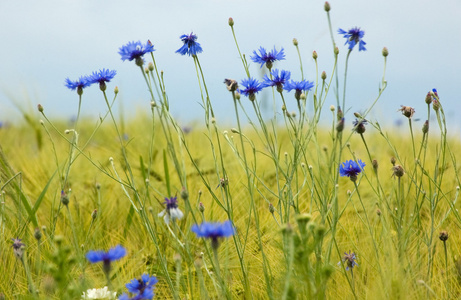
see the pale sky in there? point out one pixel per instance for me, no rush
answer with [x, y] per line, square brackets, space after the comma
[43, 42]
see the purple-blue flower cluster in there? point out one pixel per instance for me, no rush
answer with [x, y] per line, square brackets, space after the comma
[350, 259]
[81, 83]
[351, 169]
[101, 77]
[267, 58]
[299, 87]
[252, 87]
[214, 231]
[353, 37]
[190, 47]
[107, 258]
[135, 50]
[277, 80]
[142, 288]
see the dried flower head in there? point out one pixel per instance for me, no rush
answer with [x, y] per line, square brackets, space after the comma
[359, 125]
[231, 84]
[398, 171]
[443, 236]
[407, 111]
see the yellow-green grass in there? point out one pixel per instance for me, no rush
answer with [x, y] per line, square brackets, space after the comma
[382, 273]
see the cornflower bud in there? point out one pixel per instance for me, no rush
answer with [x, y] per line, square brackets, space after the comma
[150, 66]
[393, 160]
[426, 127]
[295, 42]
[385, 52]
[314, 55]
[340, 125]
[374, 163]
[230, 22]
[64, 198]
[327, 6]
[40, 108]
[201, 207]
[324, 75]
[37, 234]
[184, 194]
[443, 236]
[428, 98]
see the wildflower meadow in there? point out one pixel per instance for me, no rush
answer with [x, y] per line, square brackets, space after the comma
[299, 198]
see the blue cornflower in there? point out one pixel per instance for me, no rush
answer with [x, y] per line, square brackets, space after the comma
[351, 169]
[101, 77]
[354, 36]
[78, 85]
[18, 247]
[214, 231]
[278, 80]
[267, 58]
[136, 50]
[252, 87]
[190, 47]
[350, 260]
[148, 293]
[115, 253]
[171, 211]
[299, 87]
[136, 286]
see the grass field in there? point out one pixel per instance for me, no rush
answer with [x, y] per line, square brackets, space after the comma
[305, 210]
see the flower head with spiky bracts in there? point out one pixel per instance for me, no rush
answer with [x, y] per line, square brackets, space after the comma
[18, 247]
[267, 58]
[171, 212]
[135, 51]
[101, 77]
[190, 47]
[214, 231]
[299, 87]
[353, 37]
[78, 85]
[350, 259]
[252, 87]
[351, 169]
[277, 80]
[107, 258]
